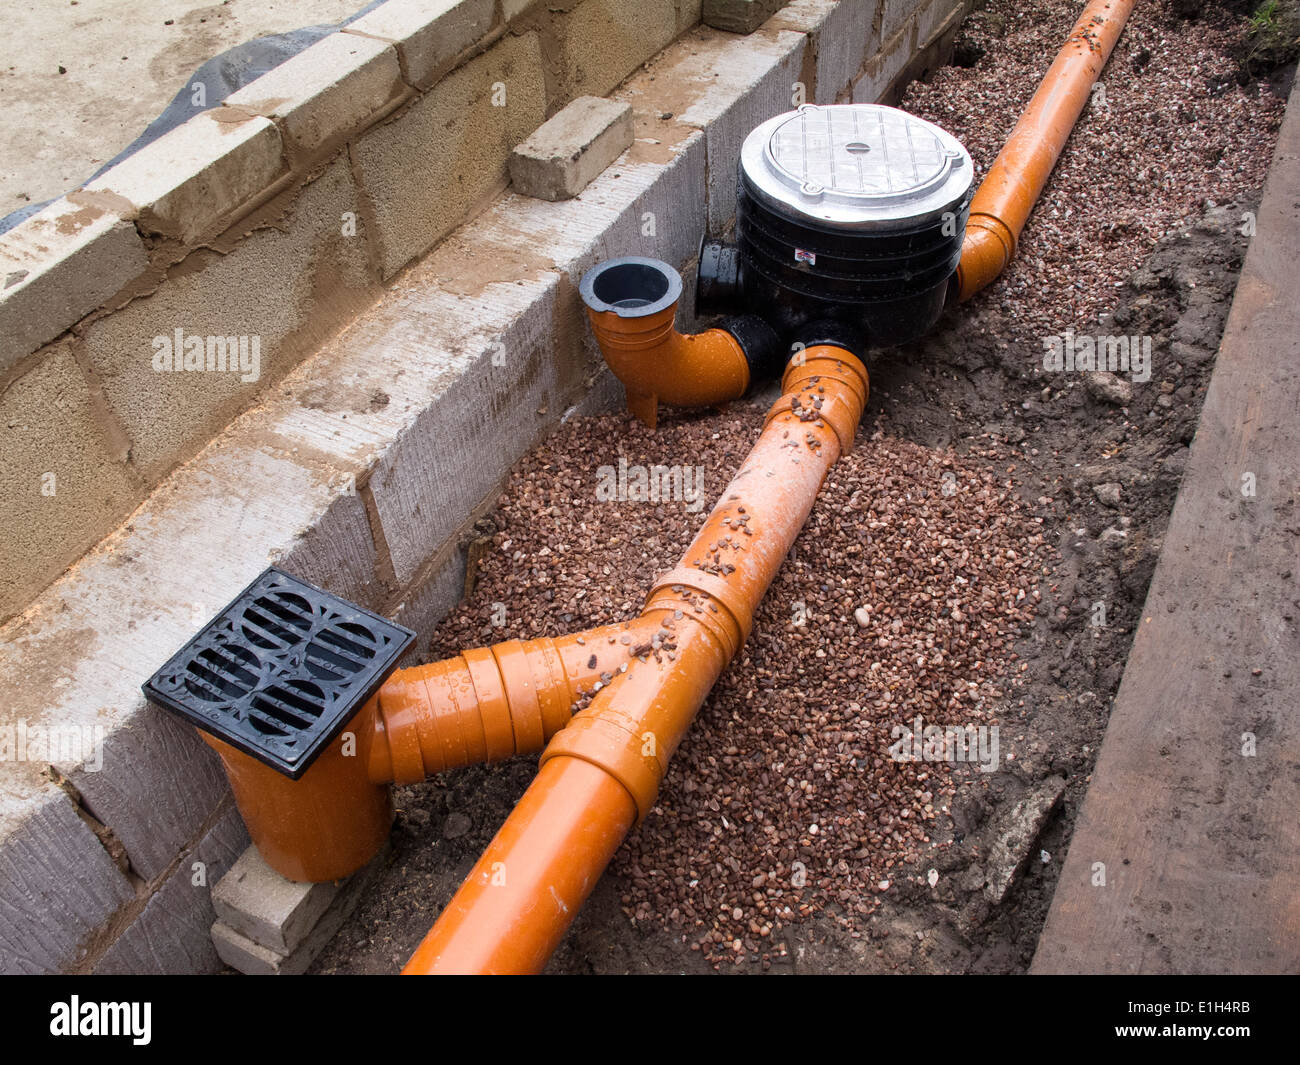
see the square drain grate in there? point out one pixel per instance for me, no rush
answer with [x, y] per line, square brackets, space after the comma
[280, 670]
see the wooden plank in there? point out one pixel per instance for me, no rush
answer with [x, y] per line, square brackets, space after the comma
[1201, 842]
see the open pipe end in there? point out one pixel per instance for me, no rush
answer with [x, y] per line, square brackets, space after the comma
[632, 304]
[631, 287]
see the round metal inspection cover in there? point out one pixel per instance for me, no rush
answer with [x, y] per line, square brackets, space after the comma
[855, 166]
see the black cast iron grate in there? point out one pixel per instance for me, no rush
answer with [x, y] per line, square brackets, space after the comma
[280, 670]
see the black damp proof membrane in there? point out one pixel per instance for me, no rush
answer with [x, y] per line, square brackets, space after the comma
[280, 671]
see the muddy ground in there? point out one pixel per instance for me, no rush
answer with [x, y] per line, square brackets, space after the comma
[1099, 461]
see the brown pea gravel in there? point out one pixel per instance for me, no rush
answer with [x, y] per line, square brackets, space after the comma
[783, 800]
[917, 867]
[1169, 132]
[899, 601]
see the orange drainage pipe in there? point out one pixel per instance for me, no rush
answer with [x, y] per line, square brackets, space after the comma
[600, 775]
[491, 703]
[632, 305]
[1016, 179]
[484, 705]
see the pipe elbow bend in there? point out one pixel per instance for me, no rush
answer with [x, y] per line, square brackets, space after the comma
[632, 304]
[696, 369]
[987, 248]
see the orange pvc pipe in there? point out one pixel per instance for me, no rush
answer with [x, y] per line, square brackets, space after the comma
[1018, 175]
[323, 826]
[657, 363]
[517, 902]
[484, 705]
[600, 775]
[492, 703]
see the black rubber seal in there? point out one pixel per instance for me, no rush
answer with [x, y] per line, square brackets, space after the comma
[835, 332]
[763, 349]
[719, 282]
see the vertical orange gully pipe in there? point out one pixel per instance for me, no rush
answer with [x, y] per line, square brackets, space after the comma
[1016, 179]
[599, 776]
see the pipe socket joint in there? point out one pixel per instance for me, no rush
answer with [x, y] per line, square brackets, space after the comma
[805, 397]
[989, 245]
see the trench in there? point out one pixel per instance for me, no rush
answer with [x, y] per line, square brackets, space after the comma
[965, 430]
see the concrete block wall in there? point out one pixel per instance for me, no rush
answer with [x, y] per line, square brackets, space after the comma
[272, 218]
[366, 465]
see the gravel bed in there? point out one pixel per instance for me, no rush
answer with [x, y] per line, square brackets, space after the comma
[911, 580]
[1170, 132]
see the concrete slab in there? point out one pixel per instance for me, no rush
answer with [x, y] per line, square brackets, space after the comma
[82, 81]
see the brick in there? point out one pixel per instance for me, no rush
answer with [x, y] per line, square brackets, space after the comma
[337, 552]
[511, 9]
[566, 152]
[933, 19]
[57, 883]
[603, 41]
[738, 16]
[482, 381]
[158, 755]
[456, 420]
[191, 181]
[428, 603]
[427, 35]
[459, 417]
[282, 285]
[248, 956]
[689, 13]
[50, 430]
[257, 902]
[454, 454]
[57, 267]
[326, 91]
[655, 195]
[883, 69]
[172, 935]
[446, 156]
[245, 956]
[841, 34]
